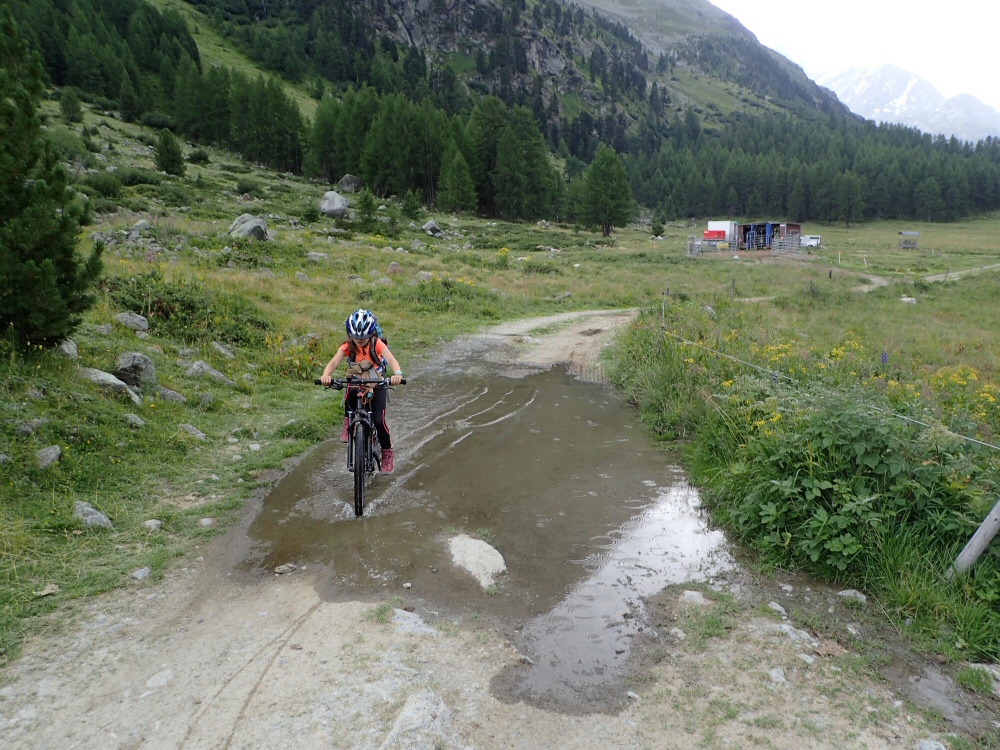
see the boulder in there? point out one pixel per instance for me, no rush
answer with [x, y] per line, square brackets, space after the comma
[107, 380]
[333, 205]
[223, 350]
[132, 320]
[349, 184]
[69, 349]
[89, 516]
[135, 368]
[201, 369]
[394, 269]
[49, 456]
[432, 228]
[248, 226]
[193, 431]
[168, 395]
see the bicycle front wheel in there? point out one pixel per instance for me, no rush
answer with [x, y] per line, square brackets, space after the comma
[360, 470]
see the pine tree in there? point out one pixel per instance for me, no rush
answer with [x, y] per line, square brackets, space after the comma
[169, 157]
[456, 191]
[129, 106]
[608, 198]
[69, 105]
[44, 286]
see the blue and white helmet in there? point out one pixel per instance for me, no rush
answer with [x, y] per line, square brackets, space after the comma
[360, 324]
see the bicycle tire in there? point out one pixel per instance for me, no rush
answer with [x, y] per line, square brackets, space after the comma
[360, 470]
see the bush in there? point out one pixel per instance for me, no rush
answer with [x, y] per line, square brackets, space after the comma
[69, 105]
[310, 213]
[132, 176]
[157, 121]
[189, 311]
[198, 156]
[411, 206]
[105, 184]
[169, 157]
[248, 186]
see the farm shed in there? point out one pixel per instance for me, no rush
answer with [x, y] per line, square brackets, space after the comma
[769, 235]
[909, 240]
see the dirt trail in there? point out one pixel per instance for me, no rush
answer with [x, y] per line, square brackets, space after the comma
[206, 659]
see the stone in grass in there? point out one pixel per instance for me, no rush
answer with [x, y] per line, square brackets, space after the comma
[134, 420]
[49, 456]
[190, 429]
[206, 522]
[202, 369]
[694, 597]
[89, 516]
[853, 595]
[173, 396]
[135, 368]
[107, 380]
[141, 573]
[69, 349]
[153, 524]
[223, 350]
[4, 458]
[132, 320]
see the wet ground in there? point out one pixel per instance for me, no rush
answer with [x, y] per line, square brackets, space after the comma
[596, 525]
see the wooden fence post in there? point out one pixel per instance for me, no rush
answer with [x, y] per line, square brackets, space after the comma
[979, 542]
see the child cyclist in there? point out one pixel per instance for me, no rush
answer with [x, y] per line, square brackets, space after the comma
[363, 346]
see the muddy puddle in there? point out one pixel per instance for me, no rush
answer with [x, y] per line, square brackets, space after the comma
[595, 523]
[555, 473]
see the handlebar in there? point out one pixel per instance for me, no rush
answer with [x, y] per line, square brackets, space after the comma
[349, 381]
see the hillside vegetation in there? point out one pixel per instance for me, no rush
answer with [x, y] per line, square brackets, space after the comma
[795, 462]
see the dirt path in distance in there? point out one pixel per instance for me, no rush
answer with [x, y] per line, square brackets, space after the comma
[207, 659]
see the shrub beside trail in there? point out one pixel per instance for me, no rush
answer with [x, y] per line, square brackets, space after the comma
[814, 469]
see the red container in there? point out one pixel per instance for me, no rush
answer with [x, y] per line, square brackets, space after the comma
[715, 234]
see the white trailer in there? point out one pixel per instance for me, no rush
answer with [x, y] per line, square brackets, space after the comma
[731, 228]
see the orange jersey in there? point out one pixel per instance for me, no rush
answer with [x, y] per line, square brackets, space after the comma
[365, 353]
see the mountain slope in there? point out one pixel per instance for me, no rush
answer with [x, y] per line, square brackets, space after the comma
[891, 94]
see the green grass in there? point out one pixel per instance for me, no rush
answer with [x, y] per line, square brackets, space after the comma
[976, 679]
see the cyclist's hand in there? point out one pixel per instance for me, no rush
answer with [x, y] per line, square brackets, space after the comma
[325, 379]
[395, 380]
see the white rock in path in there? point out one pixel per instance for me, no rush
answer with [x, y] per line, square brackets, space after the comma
[777, 676]
[411, 622]
[424, 721]
[477, 557]
[853, 594]
[694, 597]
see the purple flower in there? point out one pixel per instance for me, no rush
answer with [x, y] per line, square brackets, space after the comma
[885, 357]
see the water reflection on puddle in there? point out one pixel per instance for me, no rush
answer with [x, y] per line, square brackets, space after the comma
[589, 515]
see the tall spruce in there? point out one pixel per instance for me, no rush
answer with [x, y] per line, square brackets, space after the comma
[44, 284]
[456, 191]
[169, 157]
[608, 201]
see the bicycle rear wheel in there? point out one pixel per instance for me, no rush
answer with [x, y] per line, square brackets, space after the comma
[360, 469]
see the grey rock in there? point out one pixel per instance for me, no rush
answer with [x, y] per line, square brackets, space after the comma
[205, 400]
[255, 446]
[173, 396]
[777, 608]
[141, 573]
[777, 676]
[354, 278]
[141, 335]
[853, 595]
[69, 349]
[383, 281]
[104, 330]
[134, 420]
[334, 205]
[237, 457]
[710, 311]
[206, 522]
[141, 226]
[694, 597]
[316, 258]
[193, 431]
[28, 428]
[432, 228]
[224, 351]
[677, 634]
[5, 459]
[931, 745]
[806, 658]
[424, 721]
[299, 276]
[564, 295]
[374, 274]
[187, 352]
[248, 226]
[153, 524]
[89, 516]
[908, 300]
[201, 369]
[135, 368]
[249, 378]
[107, 380]
[48, 456]
[285, 569]
[411, 622]
[132, 320]
[349, 184]
[416, 245]
[424, 275]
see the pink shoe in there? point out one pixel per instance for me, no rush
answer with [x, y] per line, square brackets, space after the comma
[387, 466]
[343, 435]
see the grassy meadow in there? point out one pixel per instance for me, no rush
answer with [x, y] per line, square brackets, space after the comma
[278, 308]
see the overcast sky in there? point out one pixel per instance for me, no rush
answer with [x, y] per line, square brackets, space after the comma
[951, 45]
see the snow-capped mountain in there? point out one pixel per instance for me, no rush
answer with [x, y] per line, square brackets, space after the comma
[891, 94]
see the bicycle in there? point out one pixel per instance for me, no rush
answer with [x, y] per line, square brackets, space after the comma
[364, 453]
